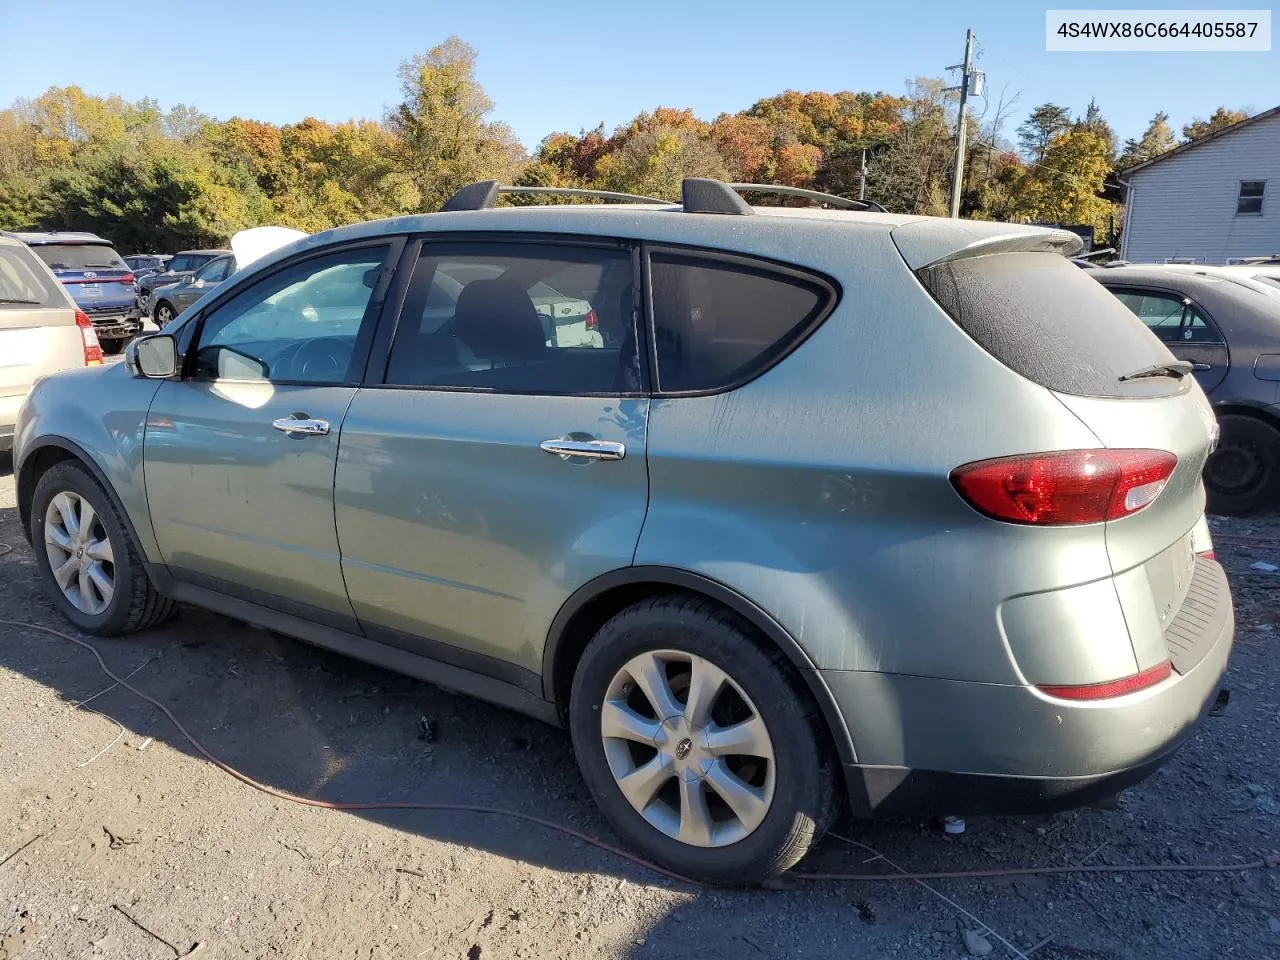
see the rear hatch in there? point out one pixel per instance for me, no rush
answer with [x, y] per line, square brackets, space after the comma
[38, 332]
[1050, 322]
[95, 275]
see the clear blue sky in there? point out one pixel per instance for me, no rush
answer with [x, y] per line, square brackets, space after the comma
[572, 64]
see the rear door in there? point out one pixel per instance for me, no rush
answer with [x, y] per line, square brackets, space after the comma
[488, 470]
[1184, 327]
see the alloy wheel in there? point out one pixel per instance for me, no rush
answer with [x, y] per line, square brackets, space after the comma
[80, 553]
[688, 748]
[163, 315]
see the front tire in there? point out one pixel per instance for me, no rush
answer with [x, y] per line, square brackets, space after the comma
[164, 314]
[88, 562]
[699, 744]
[1242, 476]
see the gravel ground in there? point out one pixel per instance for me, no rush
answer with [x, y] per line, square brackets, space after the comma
[120, 838]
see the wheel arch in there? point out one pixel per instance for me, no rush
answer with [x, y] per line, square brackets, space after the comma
[48, 453]
[1248, 408]
[592, 604]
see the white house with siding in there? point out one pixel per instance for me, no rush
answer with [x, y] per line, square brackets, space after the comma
[1211, 200]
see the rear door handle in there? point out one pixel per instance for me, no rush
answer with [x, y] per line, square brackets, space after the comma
[592, 449]
[301, 424]
[1201, 366]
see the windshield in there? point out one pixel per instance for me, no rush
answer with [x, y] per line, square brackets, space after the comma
[80, 256]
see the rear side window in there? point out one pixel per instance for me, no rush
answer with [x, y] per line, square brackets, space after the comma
[1048, 320]
[519, 318]
[1172, 318]
[719, 323]
[80, 256]
[23, 283]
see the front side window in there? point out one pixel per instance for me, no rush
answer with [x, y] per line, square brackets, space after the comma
[718, 323]
[298, 325]
[214, 271]
[1250, 199]
[519, 318]
[178, 265]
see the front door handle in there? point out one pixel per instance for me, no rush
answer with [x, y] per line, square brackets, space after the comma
[1201, 366]
[302, 425]
[592, 449]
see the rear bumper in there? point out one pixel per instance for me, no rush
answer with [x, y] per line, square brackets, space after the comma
[116, 327]
[927, 745]
[9, 407]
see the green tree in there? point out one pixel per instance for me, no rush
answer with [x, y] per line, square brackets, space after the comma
[445, 141]
[1155, 140]
[1220, 120]
[1038, 130]
[655, 161]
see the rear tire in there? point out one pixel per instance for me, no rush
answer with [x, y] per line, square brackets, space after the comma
[688, 810]
[111, 347]
[1242, 476]
[74, 520]
[164, 314]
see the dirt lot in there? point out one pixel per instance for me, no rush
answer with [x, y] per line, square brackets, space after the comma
[117, 834]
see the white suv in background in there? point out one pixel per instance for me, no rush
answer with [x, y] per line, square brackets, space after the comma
[41, 329]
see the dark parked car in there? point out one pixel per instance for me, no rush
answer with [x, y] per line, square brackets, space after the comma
[99, 281]
[145, 264]
[179, 267]
[1228, 328]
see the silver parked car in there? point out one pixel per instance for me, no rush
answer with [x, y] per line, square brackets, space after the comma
[166, 302]
[836, 502]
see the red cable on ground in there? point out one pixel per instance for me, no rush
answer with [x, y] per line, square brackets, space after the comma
[1273, 861]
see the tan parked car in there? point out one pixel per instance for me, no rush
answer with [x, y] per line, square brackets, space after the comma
[41, 329]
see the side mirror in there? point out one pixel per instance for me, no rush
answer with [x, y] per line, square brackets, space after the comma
[154, 357]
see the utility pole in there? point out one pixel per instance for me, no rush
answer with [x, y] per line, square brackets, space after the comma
[966, 71]
[862, 183]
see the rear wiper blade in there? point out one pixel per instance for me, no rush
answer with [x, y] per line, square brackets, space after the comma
[1173, 368]
[34, 303]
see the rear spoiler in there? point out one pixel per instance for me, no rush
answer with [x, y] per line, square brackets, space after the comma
[924, 243]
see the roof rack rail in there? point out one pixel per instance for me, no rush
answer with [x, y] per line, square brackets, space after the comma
[831, 199]
[484, 194]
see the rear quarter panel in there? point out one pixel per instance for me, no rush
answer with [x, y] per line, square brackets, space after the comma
[820, 490]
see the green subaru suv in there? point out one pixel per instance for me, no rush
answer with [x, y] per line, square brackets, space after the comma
[775, 509]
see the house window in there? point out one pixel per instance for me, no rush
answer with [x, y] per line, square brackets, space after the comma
[1250, 200]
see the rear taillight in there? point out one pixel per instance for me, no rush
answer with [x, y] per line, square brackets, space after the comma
[1066, 486]
[592, 322]
[89, 337]
[1112, 688]
[127, 279]
[1207, 554]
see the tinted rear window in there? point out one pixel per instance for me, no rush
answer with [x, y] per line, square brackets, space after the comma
[719, 323]
[77, 256]
[1050, 321]
[23, 283]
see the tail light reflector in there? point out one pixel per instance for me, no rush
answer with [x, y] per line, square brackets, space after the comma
[89, 337]
[1065, 486]
[1112, 688]
[592, 322]
[126, 279]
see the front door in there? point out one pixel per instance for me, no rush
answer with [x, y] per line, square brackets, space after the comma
[501, 465]
[1185, 329]
[239, 453]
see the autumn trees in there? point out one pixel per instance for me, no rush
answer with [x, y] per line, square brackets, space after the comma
[154, 179]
